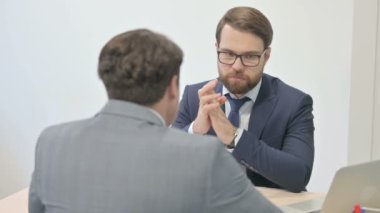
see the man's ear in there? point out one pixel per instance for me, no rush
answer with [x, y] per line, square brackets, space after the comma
[173, 88]
[267, 54]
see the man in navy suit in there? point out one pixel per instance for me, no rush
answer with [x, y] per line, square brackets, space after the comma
[272, 134]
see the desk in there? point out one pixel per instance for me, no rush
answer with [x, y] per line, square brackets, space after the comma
[18, 202]
[281, 197]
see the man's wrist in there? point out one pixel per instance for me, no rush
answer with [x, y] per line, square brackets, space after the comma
[193, 129]
[231, 145]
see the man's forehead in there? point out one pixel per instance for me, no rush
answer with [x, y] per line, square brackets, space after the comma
[240, 41]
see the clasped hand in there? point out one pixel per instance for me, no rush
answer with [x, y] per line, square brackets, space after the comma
[210, 114]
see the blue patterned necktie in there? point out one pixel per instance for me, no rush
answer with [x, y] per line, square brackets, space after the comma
[235, 104]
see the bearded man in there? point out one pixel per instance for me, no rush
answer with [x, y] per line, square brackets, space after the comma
[265, 123]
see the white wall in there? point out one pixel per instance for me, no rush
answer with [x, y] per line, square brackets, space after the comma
[49, 49]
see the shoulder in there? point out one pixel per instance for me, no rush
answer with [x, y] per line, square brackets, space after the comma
[193, 142]
[198, 85]
[195, 87]
[59, 130]
[284, 90]
[194, 139]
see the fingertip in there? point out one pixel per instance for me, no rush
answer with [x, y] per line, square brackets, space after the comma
[222, 101]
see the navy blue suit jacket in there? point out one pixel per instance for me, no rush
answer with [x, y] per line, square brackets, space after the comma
[278, 147]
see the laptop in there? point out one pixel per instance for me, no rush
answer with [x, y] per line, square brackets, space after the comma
[357, 184]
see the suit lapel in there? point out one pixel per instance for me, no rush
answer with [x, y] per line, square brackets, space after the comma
[219, 89]
[263, 107]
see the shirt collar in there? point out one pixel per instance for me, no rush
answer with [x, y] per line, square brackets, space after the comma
[158, 116]
[132, 110]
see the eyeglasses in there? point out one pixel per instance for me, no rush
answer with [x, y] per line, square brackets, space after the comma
[249, 59]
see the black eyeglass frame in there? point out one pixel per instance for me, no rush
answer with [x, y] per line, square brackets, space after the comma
[241, 58]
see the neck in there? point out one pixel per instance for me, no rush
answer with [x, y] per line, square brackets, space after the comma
[238, 95]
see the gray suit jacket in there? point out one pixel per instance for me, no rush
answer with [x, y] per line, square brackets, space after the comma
[125, 160]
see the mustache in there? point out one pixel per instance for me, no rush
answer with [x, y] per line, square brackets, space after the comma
[236, 75]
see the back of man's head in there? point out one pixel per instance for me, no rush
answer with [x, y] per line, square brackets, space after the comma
[137, 66]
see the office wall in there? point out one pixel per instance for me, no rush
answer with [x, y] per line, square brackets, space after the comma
[49, 49]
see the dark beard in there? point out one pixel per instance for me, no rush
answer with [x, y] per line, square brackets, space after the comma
[237, 89]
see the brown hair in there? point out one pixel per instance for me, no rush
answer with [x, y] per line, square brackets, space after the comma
[138, 65]
[247, 19]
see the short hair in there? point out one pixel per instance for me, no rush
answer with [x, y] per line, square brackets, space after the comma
[137, 66]
[247, 19]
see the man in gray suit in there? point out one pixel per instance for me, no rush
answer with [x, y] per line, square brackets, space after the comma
[125, 159]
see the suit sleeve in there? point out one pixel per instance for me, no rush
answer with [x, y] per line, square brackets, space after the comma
[35, 204]
[289, 167]
[228, 188]
[183, 119]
